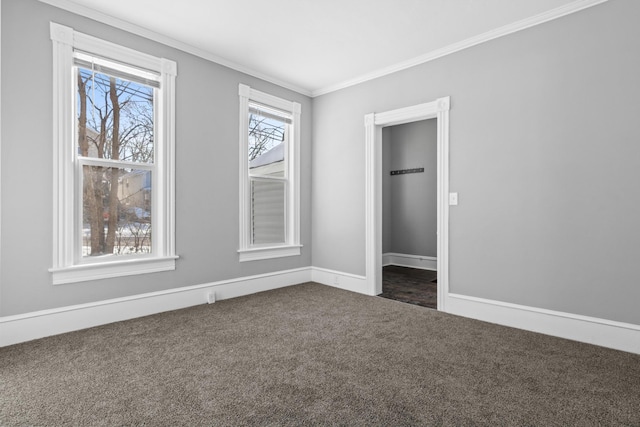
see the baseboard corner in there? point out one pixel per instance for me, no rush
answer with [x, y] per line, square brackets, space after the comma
[340, 280]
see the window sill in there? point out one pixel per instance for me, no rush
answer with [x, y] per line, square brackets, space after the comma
[106, 270]
[254, 254]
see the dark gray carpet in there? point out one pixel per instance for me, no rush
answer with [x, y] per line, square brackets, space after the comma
[314, 355]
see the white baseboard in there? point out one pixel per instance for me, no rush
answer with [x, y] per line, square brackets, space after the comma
[337, 279]
[30, 326]
[413, 261]
[592, 330]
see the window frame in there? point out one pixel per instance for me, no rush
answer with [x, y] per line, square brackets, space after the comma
[291, 247]
[68, 266]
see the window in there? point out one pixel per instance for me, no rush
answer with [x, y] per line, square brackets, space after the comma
[269, 176]
[113, 159]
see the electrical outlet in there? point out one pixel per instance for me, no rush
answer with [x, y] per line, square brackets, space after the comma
[211, 297]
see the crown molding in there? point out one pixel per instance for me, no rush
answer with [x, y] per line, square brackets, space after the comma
[505, 30]
[87, 12]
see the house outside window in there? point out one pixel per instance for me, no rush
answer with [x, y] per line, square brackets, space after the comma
[113, 159]
[270, 176]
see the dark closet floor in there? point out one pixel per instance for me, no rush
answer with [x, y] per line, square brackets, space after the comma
[410, 285]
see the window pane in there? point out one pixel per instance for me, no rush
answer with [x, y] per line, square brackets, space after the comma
[267, 211]
[116, 211]
[115, 118]
[267, 137]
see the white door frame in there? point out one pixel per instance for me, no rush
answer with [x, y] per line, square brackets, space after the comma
[374, 122]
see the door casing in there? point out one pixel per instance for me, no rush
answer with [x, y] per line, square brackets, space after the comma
[374, 122]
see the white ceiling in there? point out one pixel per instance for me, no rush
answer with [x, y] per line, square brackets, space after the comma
[316, 45]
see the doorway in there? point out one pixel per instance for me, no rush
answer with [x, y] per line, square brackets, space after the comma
[374, 122]
[409, 213]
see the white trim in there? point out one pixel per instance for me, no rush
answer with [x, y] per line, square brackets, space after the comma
[505, 30]
[246, 251]
[374, 122]
[410, 114]
[592, 330]
[39, 324]
[128, 267]
[413, 261]
[255, 254]
[341, 280]
[550, 15]
[102, 48]
[168, 41]
[244, 194]
[373, 204]
[67, 267]
[63, 188]
[0, 153]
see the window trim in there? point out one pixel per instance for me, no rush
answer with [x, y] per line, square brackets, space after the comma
[291, 246]
[65, 267]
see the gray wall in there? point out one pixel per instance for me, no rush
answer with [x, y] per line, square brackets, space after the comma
[544, 155]
[409, 203]
[206, 168]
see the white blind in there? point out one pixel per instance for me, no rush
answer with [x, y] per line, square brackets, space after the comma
[267, 211]
[113, 69]
[270, 113]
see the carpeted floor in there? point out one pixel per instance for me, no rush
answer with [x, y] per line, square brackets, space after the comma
[410, 285]
[314, 355]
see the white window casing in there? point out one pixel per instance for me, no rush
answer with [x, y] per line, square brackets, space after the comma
[68, 266]
[270, 219]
